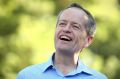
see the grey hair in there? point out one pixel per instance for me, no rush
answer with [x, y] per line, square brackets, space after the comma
[90, 25]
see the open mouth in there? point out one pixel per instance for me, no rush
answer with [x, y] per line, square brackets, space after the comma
[65, 38]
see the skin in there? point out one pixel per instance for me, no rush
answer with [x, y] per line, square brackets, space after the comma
[71, 25]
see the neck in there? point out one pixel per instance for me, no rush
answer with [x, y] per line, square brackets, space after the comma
[66, 63]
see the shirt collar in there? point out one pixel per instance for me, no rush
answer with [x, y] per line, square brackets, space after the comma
[81, 68]
[49, 64]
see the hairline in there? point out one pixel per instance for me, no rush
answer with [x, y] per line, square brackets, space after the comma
[89, 16]
[58, 17]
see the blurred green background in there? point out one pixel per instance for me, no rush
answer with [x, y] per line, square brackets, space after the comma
[27, 34]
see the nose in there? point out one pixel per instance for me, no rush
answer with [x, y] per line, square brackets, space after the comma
[67, 28]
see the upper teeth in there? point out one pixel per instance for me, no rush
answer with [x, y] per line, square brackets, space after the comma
[65, 37]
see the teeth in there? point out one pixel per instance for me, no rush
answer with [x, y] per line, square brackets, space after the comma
[65, 38]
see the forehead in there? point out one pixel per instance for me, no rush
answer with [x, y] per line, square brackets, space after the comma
[74, 15]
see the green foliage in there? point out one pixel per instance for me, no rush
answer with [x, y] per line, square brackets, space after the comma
[8, 25]
[27, 34]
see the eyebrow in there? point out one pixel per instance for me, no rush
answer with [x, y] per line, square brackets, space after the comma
[62, 20]
[72, 22]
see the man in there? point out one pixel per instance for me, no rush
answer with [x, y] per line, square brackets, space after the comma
[75, 30]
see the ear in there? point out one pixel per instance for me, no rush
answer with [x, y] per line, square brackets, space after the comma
[89, 41]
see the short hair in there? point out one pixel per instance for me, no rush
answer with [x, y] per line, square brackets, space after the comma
[91, 24]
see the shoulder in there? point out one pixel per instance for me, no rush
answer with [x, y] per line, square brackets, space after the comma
[93, 73]
[97, 74]
[30, 70]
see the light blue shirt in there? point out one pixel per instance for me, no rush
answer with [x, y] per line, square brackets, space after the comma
[48, 71]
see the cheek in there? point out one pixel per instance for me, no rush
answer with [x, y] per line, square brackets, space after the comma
[77, 44]
[80, 40]
[55, 35]
[57, 32]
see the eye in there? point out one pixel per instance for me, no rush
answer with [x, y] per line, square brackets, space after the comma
[76, 27]
[62, 24]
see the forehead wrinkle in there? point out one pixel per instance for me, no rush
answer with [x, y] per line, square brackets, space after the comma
[78, 13]
[74, 9]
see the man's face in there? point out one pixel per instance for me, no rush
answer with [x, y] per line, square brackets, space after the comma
[71, 35]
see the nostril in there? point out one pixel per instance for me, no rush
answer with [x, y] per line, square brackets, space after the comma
[67, 31]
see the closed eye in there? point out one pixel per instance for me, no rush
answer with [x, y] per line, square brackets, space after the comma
[62, 24]
[76, 27]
